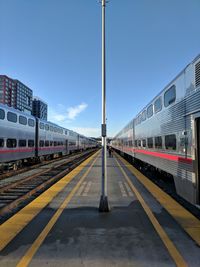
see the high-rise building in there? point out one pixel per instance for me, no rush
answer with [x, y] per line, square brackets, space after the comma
[8, 94]
[39, 108]
[24, 97]
[15, 94]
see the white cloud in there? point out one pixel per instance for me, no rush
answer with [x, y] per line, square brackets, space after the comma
[72, 112]
[65, 115]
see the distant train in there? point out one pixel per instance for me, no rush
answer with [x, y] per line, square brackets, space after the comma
[166, 133]
[26, 138]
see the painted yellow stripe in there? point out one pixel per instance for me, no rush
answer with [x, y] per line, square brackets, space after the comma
[37, 243]
[178, 259]
[188, 222]
[15, 224]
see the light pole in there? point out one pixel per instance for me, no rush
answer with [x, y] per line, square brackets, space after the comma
[103, 205]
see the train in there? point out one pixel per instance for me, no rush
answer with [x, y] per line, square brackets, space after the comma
[165, 134]
[25, 138]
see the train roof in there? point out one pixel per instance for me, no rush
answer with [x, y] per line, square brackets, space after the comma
[168, 85]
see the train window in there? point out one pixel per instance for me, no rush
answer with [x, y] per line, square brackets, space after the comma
[30, 143]
[158, 142]
[150, 111]
[41, 126]
[135, 143]
[139, 142]
[170, 141]
[2, 114]
[144, 142]
[47, 127]
[150, 142]
[46, 143]
[170, 96]
[140, 118]
[31, 123]
[12, 117]
[23, 120]
[11, 143]
[144, 115]
[158, 105]
[1, 143]
[41, 143]
[22, 143]
[55, 143]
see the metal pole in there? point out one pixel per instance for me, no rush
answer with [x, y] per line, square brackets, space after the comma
[103, 206]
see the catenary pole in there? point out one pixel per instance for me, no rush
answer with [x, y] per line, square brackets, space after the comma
[103, 206]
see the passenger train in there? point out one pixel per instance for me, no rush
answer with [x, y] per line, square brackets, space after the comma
[26, 138]
[166, 133]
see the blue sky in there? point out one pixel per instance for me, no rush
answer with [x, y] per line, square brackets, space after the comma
[54, 47]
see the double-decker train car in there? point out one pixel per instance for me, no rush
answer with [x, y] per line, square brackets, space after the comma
[17, 135]
[24, 137]
[166, 133]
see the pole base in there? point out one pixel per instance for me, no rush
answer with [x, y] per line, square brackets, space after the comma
[103, 205]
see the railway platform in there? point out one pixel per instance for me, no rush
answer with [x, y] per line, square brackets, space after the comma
[62, 226]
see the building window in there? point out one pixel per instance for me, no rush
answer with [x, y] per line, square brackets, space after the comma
[150, 142]
[150, 111]
[55, 143]
[170, 142]
[30, 143]
[158, 105]
[22, 143]
[170, 96]
[12, 117]
[139, 143]
[2, 114]
[23, 120]
[158, 142]
[1, 142]
[31, 123]
[11, 143]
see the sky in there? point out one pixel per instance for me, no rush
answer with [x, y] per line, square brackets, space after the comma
[54, 47]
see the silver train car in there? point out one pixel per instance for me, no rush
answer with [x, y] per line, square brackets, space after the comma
[24, 137]
[166, 133]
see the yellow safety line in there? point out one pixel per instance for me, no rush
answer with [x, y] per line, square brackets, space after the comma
[15, 224]
[178, 259]
[188, 222]
[37, 243]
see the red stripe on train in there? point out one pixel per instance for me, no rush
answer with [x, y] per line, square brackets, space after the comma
[17, 150]
[161, 155]
[14, 150]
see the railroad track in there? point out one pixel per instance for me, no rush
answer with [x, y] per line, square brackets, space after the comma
[14, 195]
[9, 173]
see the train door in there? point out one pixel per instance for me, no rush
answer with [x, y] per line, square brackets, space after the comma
[67, 146]
[198, 156]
